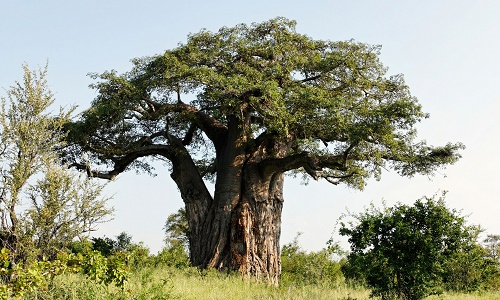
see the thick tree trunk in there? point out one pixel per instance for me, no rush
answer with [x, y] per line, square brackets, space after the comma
[256, 227]
[244, 236]
[239, 229]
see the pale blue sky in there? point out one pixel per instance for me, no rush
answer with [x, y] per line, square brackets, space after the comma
[449, 52]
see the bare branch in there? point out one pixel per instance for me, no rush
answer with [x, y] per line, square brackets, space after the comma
[335, 180]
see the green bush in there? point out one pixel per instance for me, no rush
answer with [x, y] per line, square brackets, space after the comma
[172, 256]
[105, 270]
[82, 246]
[410, 252]
[105, 245]
[20, 279]
[302, 268]
[470, 270]
[138, 256]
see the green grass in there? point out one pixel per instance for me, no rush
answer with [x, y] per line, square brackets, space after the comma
[490, 295]
[170, 283]
[218, 286]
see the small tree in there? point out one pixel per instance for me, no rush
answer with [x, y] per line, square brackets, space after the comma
[492, 245]
[123, 241]
[61, 205]
[402, 251]
[177, 229]
[470, 269]
[105, 245]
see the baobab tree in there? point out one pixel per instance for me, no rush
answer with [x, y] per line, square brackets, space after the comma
[242, 107]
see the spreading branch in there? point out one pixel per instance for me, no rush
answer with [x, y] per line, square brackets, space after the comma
[120, 164]
[214, 129]
[312, 164]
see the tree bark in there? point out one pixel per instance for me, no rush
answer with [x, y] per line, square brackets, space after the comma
[197, 200]
[242, 226]
[256, 226]
[244, 235]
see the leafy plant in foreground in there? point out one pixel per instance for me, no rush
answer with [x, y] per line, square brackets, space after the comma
[21, 279]
[403, 251]
[43, 205]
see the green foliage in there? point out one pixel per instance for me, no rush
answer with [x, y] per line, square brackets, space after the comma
[108, 246]
[137, 254]
[302, 268]
[172, 256]
[80, 246]
[154, 285]
[95, 266]
[117, 271]
[329, 101]
[171, 283]
[123, 241]
[59, 205]
[106, 270]
[177, 229]
[36, 276]
[105, 245]
[471, 269]
[19, 279]
[64, 205]
[492, 245]
[408, 252]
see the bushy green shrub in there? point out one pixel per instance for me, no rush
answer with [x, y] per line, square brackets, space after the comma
[172, 256]
[95, 266]
[302, 268]
[138, 256]
[80, 246]
[30, 278]
[410, 252]
[470, 270]
[105, 245]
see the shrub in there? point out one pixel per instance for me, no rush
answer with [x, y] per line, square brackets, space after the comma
[20, 279]
[407, 252]
[105, 245]
[172, 256]
[470, 270]
[138, 255]
[302, 268]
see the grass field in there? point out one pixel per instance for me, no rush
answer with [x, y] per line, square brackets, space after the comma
[170, 283]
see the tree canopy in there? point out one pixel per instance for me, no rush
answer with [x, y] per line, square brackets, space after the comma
[332, 102]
